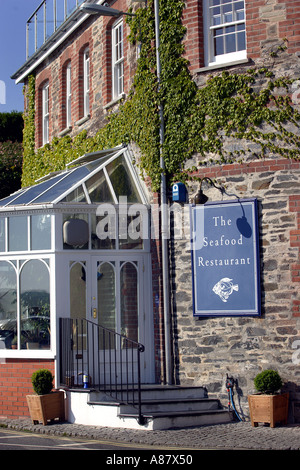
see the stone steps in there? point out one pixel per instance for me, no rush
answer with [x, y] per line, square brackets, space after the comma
[165, 407]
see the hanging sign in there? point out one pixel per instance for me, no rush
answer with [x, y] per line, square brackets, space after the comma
[225, 258]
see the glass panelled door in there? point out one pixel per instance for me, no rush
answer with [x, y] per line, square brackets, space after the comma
[116, 307]
[78, 288]
[107, 292]
[117, 300]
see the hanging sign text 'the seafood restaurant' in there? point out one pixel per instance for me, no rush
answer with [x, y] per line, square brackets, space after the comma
[225, 258]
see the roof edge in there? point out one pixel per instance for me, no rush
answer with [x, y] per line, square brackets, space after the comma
[54, 41]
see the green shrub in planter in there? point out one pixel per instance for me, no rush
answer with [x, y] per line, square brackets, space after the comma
[268, 382]
[42, 381]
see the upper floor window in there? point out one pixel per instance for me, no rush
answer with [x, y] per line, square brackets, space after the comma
[117, 60]
[225, 31]
[45, 113]
[86, 82]
[68, 95]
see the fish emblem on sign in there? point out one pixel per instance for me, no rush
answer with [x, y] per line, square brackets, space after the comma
[224, 288]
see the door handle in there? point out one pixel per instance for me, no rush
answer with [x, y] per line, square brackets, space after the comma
[94, 313]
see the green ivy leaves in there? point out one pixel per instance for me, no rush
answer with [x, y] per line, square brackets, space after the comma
[246, 107]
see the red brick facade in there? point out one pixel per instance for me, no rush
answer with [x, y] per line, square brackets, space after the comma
[268, 24]
[265, 21]
[15, 384]
[53, 72]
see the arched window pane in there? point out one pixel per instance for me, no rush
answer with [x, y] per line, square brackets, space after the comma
[78, 303]
[8, 306]
[129, 301]
[78, 291]
[106, 302]
[35, 305]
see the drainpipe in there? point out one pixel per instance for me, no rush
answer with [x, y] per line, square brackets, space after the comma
[164, 216]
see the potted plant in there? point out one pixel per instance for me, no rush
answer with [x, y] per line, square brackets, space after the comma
[267, 405]
[46, 404]
[14, 342]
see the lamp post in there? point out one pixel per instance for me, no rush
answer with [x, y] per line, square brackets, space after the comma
[100, 10]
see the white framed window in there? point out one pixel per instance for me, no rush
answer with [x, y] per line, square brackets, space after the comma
[25, 317]
[45, 111]
[68, 95]
[225, 31]
[86, 82]
[117, 59]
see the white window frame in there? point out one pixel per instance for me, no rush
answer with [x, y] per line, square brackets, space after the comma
[117, 60]
[68, 95]
[86, 82]
[18, 261]
[45, 111]
[210, 28]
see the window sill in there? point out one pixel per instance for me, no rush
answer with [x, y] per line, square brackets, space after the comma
[223, 65]
[83, 120]
[65, 131]
[114, 101]
[26, 354]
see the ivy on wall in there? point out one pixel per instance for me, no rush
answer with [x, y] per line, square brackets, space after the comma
[249, 107]
[30, 172]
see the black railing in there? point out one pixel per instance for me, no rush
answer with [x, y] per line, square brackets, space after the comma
[95, 357]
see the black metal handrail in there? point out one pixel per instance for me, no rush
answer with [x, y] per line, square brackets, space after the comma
[95, 357]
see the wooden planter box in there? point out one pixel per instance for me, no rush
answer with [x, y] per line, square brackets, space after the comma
[270, 409]
[44, 408]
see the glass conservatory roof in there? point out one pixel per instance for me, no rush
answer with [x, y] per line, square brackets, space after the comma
[96, 177]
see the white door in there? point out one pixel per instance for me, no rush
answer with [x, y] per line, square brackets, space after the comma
[112, 292]
[120, 304]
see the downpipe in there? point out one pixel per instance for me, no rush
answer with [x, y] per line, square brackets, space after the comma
[164, 216]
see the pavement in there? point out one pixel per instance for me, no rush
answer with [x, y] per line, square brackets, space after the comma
[229, 436]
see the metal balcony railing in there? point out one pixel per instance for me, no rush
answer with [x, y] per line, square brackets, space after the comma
[46, 20]
[95, 357]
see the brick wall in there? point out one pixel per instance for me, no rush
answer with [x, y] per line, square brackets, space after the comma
[205, 350]
[194, 40]
[267, 21]
[44, 77]
[294, 205]
[94, 34]
[15, 384]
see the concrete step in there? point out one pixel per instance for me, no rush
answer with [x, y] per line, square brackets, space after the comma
[165, 407]
[180, 419]
[162, 407]
[154, 392]
[169, 405]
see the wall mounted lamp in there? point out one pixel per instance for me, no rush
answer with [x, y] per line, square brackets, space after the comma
[200, 197]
